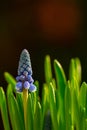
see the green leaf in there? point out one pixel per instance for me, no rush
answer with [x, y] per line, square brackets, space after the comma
[45, 100]
[82, 123]
[72, 69]
[60, 78]
[33, 101]
[37, 117]
[61, 112]
[78, 70]
[19, 98]
[82, 95]
[48, 71]
[14, 112]
[29, 114]
[10, 80]
[86, 106]
[54, 83]
[68, 107]
[61, 83]
[53, 109]
[75, 109]
[37, 85]
[4, 111]
[75, 85]
[86, 124]
[57, 99]
[75, 70]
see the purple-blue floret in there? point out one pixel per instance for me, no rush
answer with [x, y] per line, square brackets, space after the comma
[24, 78]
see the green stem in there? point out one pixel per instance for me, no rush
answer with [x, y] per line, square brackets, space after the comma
[25, 97]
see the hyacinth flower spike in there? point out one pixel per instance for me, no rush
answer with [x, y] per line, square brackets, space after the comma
[24, 78]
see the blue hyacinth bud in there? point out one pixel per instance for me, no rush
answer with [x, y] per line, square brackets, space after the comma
[26, 85]
[24, 64]
[30, 79]
[32, 88]
[24, 78]
[19, 87]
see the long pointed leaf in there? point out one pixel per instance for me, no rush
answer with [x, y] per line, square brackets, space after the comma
[37, 85]
[37, 118]
[14, 112]
[10, 80]
[75, 70]
[19, 98]
[45, 100]
[78, 70]
[53, 109]
[34, 101]
[82, 95]
[75, 109]
[61, 83]
[29, 114]
[68, 107]
[3, 108]
[48, 71]
[60, 77]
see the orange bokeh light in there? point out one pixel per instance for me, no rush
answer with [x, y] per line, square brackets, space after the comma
[55, 19]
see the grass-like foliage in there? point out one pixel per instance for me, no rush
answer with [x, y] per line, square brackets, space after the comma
[63, 105]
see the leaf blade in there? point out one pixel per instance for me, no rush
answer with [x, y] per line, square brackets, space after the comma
[48, 70]
[14, 112]
[29, 114]
[37, 117]
[60, 78]
[10, 80]
[4, 112]
[53, 109]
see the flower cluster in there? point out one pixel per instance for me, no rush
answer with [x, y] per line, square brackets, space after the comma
[24, 78]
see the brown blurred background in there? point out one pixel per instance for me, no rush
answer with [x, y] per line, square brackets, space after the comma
[58, 28]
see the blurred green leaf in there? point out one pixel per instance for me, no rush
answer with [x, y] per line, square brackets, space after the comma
[72, 69]
[37, 117]
[86, 124]
[75, 70]
[53, 109]
[78, 70]
[82, 124]
[48, 71]
[68, 107]
[60, 78]
[54, 83]
[29, 114]
[75, 85]
[19, 98]
[33, 101]
[61, 113]
[45, 100]
[4, 110]
[57, 100]
[37, 85]
[82, 95]
[61, 84]
[75, 109]
[14, 112]
[86, 107]
[10, 80]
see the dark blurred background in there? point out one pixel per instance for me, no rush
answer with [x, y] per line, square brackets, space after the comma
[57, 28]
